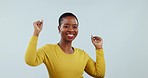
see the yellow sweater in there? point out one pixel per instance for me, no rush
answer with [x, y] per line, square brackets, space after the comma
[62, 65]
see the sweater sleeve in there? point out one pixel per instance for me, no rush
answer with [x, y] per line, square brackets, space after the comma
[96, 69]
[34, 57]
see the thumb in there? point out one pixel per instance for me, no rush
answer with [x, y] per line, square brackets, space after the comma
[37, 28]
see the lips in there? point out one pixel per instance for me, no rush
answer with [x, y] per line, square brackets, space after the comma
[70, 36]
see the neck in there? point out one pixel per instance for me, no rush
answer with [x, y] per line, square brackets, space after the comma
[66, 47]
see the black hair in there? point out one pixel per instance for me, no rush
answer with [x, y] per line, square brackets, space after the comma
[65, 15]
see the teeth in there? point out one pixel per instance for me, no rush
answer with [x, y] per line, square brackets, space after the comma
[70, 34]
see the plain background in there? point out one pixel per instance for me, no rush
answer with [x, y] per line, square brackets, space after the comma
[123, 25]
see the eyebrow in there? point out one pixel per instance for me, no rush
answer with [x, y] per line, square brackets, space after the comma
[69, 24]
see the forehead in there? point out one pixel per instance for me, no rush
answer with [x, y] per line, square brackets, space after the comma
[70, 20]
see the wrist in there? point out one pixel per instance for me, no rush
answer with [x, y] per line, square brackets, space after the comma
[35, 34]
[99, 47]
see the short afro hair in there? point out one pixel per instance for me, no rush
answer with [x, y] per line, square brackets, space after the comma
[66, 15]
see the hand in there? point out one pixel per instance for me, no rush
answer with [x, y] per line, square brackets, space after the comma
[38, 25]
[97, 42]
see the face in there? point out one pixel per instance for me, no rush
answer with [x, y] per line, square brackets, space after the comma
[68, 28]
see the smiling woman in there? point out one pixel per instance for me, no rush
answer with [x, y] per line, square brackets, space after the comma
[62, 59]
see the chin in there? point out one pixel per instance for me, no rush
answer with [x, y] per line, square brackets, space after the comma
[70, 40]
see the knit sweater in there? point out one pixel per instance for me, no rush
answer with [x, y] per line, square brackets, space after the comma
[62, 65]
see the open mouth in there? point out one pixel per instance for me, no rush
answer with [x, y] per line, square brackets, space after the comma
[70, 36]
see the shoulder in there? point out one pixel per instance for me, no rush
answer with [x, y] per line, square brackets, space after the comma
[49, 46]
[79, 50]
[82, 52]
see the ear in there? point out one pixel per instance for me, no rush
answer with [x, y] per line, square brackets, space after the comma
[59, 29]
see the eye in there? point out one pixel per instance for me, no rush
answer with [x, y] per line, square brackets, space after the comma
[75, 26]
[66, 26]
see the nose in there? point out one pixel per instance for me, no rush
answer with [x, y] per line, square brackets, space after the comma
[70, 28]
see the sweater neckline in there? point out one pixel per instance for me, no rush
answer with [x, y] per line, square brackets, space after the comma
[62, 52]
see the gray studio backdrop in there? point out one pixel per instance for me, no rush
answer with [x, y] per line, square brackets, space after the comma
[123, 25]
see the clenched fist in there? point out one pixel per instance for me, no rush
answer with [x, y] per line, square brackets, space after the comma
[97, 42]
[38, 25]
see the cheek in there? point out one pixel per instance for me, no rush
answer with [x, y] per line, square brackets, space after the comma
[62, 31]
[77, 31]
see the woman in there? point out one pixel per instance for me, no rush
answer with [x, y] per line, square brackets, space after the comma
[61, 59]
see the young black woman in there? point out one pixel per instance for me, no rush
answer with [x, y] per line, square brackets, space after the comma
[62, 59]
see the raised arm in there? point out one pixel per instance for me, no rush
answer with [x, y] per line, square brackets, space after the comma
[96, 69]
[34, 57]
